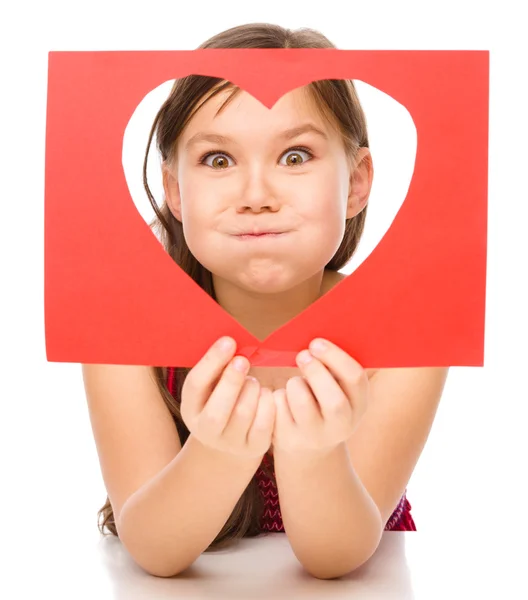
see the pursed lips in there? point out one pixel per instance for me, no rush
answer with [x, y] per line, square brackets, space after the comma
[257, 231]
[260, 234]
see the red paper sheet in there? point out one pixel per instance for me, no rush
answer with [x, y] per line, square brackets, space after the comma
[112, 293]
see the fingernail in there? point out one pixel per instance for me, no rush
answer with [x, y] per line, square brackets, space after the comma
[318, 345]
[225, 343]
[304, 357]
[240, 363]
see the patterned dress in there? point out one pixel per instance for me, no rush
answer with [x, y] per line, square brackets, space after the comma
[271, 519]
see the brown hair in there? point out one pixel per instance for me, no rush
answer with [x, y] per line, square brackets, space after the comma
[338, 103]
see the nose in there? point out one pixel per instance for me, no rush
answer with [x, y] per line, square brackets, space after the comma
[257, 195]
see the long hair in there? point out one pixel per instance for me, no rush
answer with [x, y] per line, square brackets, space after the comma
[337, 102]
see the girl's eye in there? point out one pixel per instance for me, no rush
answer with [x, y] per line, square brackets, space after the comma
[297, 151]
[221, 163]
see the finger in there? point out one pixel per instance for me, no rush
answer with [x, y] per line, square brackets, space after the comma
[303, 405]
[328, 392]
[283, 417]
[200, 381]
[350, 375]
[243, 412]
[219, 406]
[264, 420]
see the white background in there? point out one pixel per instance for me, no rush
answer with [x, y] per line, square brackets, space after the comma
[471, 475]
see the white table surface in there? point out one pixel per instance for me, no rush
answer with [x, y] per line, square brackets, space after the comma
[406, 565]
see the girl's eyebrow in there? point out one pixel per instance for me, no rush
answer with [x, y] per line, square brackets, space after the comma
[285, 135]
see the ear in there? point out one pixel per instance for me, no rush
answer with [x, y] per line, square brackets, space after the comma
[362, 174]
[172, 189]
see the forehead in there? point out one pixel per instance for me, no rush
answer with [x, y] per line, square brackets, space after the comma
[234, 108]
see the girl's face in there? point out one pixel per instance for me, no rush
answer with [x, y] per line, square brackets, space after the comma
[262, 194]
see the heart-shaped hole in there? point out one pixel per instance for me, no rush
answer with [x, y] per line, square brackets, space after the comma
[392, 141]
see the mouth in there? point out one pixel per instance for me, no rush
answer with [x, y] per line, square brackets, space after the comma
[259, 236]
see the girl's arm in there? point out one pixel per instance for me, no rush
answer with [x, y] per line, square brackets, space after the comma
[392, 434]
[173, 518]
[331, 521]
[169, 502]
[335, 509]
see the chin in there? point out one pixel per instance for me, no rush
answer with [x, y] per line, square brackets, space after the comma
[263, 286]
[265, 279]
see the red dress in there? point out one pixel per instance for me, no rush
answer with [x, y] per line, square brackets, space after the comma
[271, 519]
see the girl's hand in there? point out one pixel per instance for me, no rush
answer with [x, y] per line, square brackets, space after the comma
[223, 408]
[321, 409]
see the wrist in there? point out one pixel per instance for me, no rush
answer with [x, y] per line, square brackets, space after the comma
[310, 456]
[224, 456]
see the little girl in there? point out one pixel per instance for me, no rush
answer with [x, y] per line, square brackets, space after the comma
[262, 208]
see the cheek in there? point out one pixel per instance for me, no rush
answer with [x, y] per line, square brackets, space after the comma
[194, 225]
[324, 214]
[324, 209]
[195, 218]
